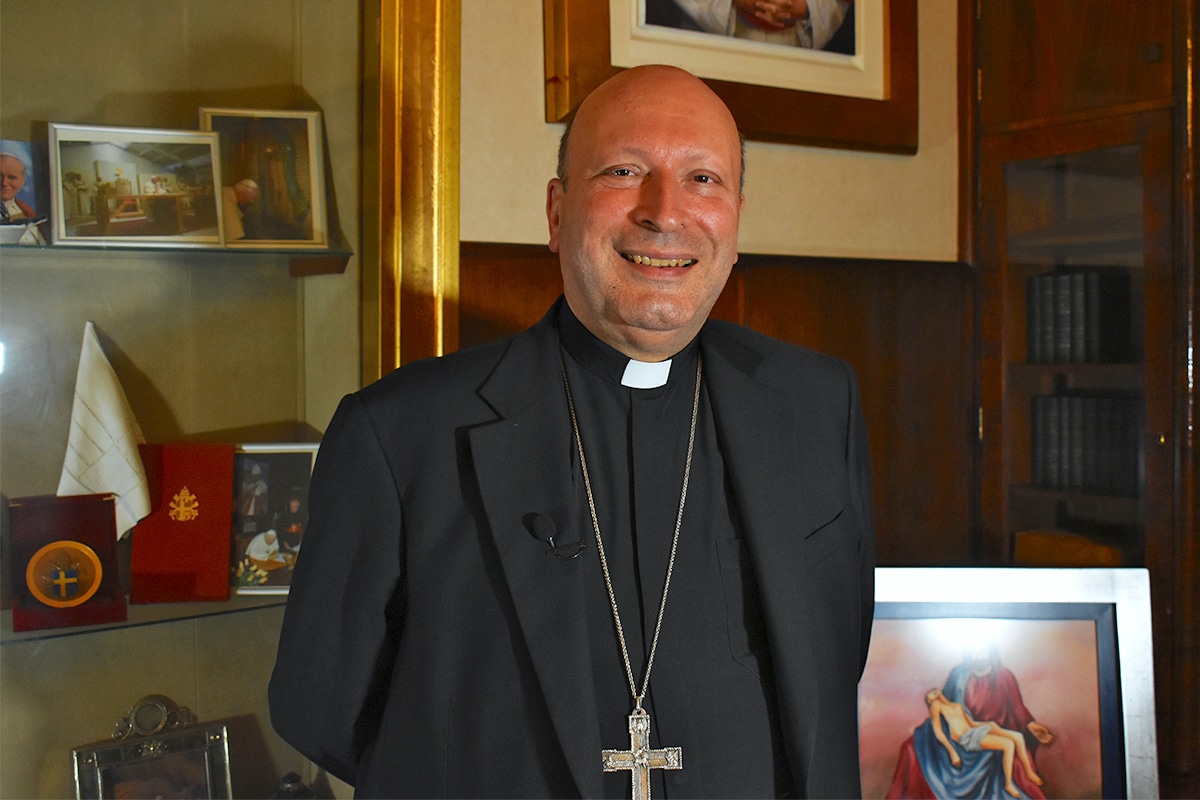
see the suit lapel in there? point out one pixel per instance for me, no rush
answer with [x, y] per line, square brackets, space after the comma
[523, 467]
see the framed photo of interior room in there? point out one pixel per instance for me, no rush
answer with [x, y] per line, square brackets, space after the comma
[998, 682]
[860, 93]
[133, 187]
[273, 166]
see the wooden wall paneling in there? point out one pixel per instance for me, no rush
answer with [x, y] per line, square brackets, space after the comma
[908, 331]
[503, 289]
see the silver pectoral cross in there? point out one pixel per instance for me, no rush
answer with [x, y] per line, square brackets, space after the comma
[639, 759]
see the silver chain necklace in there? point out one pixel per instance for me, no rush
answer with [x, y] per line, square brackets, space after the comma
[639, 759]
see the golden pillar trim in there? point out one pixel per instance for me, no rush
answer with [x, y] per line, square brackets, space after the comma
[410, 181]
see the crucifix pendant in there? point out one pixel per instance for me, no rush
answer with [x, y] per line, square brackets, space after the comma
[639, 759]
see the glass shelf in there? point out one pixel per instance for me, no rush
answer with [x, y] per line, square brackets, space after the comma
[302, 262]
[139, 615]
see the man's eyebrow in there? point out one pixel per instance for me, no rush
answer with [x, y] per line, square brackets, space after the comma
[633, 151]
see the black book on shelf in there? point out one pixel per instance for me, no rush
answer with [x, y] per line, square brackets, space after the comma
[1109, 311]
[1091, 445]
[1037, 440]
[1087, 441]
[1053, 442]
[1079, 315]
[1046, 317]
[1062, 318]
[1079, 324]
[1073, 424]
[1033, 320]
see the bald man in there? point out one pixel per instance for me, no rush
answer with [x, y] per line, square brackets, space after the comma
[628, 552]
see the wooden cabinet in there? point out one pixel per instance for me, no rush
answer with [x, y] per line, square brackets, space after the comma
[1076, 266]
[1039, 60]
[1083, 231]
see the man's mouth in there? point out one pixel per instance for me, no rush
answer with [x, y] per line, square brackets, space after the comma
[648, 261]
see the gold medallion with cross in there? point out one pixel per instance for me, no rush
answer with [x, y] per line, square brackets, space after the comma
[639, 759]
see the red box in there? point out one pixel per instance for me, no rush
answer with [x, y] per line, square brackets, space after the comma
[75, 538]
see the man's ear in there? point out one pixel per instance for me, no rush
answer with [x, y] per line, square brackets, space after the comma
[554, 192]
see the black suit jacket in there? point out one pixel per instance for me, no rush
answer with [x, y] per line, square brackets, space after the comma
[430, 645]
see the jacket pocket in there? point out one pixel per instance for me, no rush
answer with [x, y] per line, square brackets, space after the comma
[745, 624]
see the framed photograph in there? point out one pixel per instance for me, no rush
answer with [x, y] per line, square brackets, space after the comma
[23, 206]
[134, 187]
[1006, 682]
[844, 78]
[190, 763]
[270, 514]
[274, 181]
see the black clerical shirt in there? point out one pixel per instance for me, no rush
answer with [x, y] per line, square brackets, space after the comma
[711, 689]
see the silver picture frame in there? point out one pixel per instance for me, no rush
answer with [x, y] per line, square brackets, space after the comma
[1077, 647]
[134, 187]
[192, 762]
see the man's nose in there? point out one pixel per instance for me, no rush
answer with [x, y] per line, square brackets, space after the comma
[661, 204]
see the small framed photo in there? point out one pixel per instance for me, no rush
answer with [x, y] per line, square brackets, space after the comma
[1006, 682]
[270, 514]
[191, 762]
[23, 209]
[134, 187]
[273, 170]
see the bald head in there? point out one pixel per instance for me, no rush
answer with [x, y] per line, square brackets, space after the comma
[650, 72]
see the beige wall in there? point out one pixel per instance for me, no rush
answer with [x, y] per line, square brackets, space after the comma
[799, 200]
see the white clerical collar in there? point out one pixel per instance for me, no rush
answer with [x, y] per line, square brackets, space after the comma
[646, 374]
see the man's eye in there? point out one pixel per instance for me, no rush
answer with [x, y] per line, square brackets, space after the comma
[621, 172]
[704, 179]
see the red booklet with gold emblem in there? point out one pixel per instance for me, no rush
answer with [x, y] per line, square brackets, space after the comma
[181, 551]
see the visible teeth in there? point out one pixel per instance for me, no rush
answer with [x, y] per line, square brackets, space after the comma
[662, 262]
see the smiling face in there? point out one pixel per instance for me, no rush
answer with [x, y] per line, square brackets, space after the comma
[12, 177]
[646, 221]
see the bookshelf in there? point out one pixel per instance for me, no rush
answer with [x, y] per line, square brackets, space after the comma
[1077, 271]
[1083, 160]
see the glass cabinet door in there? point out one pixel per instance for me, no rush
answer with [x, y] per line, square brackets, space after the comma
[1075, 254]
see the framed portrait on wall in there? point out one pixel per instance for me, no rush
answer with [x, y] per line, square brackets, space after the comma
[273, 166]
[845, 76]
[133, 187]
[1027, 683]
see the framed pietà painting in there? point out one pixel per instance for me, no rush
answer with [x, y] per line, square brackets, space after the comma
[133, 187]
[844, 77]
[273, 169]
[1024, 683]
